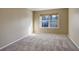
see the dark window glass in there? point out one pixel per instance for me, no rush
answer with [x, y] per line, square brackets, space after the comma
[45, 21]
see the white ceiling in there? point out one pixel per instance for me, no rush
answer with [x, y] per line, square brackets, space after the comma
[38, 9]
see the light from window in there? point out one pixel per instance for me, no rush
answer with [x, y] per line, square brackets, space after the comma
[49, 21]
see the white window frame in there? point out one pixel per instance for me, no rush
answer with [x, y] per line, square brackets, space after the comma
[40, 23]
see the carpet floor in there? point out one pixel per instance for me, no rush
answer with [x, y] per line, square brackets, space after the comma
[43, 42]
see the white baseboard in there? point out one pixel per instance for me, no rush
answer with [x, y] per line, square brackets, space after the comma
[73, 42]
[13, 42]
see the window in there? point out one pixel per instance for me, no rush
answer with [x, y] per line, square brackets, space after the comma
[49, 21]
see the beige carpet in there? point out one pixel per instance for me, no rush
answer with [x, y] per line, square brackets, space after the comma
[43, 42]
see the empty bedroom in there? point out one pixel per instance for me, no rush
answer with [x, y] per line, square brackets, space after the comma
[39, 29]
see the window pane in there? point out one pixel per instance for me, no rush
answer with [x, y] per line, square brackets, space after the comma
[45, 21]
[53, 21]
[53, 24]
[53, 18]
[45, 17]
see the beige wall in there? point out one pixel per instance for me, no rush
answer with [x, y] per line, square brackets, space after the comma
[74, 25]
[63, 21]
[14, 24]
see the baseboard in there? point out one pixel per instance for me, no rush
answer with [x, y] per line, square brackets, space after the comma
[73, 42]
[13, 42]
